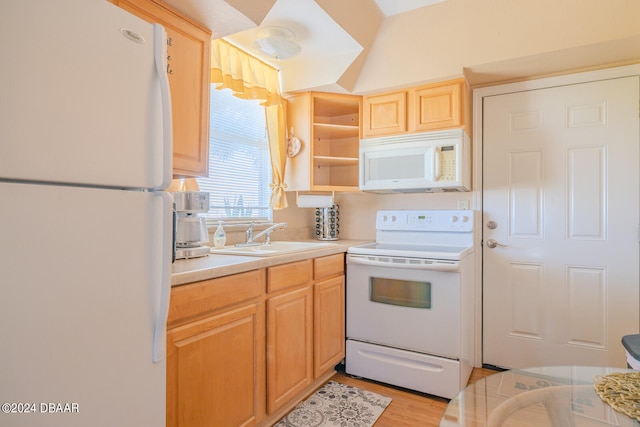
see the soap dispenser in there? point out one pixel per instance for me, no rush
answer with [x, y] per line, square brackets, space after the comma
[219, 237]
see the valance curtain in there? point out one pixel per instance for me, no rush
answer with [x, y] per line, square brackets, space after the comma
[250, 78]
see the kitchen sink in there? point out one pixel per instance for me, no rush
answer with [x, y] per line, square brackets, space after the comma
[272, 249]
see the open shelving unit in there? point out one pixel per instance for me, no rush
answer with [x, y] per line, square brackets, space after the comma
[336, 137]
[329, 126]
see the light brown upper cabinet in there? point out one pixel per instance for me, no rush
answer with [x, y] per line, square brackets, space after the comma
[437, 106]
[385, 114]
[188, 62]
[328, 126]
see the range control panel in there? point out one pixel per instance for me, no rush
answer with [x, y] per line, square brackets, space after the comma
[425, 220]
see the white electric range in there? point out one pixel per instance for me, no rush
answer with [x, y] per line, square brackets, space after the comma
[410, 301]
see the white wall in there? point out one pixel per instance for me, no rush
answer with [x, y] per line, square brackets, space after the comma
[357, 211]
[496, 40]
[487, 41]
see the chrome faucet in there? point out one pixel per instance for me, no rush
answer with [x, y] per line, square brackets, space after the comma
[251, 238]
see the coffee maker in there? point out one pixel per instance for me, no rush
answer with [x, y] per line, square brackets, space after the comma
[191, 228]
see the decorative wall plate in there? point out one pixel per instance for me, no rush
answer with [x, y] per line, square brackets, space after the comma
[293, 146]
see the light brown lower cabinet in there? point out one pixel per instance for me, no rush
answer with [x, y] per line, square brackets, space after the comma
[328, 324]
[243, 350]
[213, 364]
[216, 352]
[290, 346]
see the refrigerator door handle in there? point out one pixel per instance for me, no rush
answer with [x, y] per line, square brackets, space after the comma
[160, 55]
[160, 328]
[174, 224]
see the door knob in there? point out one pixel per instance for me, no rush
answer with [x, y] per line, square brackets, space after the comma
[492, 244]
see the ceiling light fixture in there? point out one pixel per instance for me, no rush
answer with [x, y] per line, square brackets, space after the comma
[277, 43]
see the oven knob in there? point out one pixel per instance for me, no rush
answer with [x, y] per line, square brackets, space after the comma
[453, 219]
[393, 218]
[465, 218]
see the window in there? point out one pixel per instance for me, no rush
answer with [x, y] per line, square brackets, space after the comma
[404, 293]
[239, 165]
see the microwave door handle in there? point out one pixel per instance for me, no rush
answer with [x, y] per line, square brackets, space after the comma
[434, 173]
[438, 164]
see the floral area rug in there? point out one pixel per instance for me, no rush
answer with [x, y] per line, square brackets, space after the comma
[337, 404]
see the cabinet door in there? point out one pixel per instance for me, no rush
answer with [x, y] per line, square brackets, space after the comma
[435, 107]
[188, 58]
[328, 316]
[384, 114]
[215, 370]
[289, 346]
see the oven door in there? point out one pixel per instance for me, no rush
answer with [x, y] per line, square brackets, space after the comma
[394, 304]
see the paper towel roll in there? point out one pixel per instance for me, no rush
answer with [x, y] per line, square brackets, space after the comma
[314, 201]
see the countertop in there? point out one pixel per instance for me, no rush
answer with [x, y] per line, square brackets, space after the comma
[217, 265]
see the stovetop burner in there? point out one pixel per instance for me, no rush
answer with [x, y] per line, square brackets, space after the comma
[426, 234]
[415, 251]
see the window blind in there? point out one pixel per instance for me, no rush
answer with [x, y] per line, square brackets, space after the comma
[239, 166]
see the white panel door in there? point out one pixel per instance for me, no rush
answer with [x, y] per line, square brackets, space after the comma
[560, 224]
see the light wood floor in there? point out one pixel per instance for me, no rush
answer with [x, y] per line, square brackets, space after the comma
[407, 409]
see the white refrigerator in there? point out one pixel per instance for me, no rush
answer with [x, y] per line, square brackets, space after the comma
[85, 226]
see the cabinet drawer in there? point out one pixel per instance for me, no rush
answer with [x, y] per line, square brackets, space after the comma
[193, 300]
[289, 275]
[328, 266]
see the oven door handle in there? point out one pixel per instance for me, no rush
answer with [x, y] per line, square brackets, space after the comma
[407, 263]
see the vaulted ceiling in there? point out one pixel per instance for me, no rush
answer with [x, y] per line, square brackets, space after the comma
[335, 36]
[364, 46]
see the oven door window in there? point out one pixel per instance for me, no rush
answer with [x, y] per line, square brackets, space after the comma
[403, 293]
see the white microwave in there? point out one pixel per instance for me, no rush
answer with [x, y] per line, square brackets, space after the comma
[416, 163]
